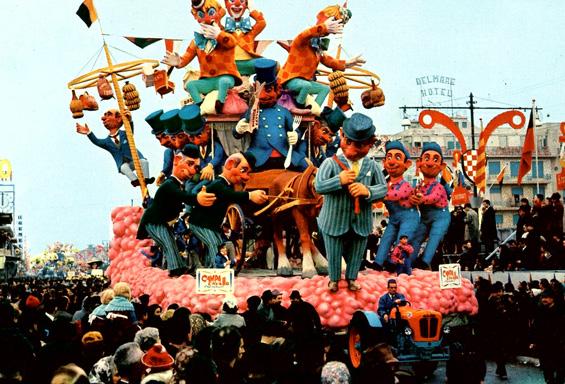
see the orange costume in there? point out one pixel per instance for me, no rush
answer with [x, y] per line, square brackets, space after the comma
[297, 73]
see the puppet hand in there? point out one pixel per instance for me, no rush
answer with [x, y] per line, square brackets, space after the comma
[171, 59]
[207, 172]
[258, 197]
[415, 199]
[292, 138]
[83, 129]
[210, 31]
[127, 113]
[355, 61]
[358, 190]
[204, 198]
[346, 177]
[242, 127]
[334, 26]
[160, 179]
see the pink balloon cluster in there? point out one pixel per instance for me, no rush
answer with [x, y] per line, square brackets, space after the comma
[129, 264]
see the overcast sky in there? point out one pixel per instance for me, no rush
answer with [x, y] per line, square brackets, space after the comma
[505, 52]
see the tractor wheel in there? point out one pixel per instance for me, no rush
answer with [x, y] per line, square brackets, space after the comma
[365, 330]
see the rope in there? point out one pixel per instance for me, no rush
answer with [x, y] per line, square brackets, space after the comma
[97, 54]
[127, 53]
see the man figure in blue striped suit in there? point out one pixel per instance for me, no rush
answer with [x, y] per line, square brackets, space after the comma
[350, 183]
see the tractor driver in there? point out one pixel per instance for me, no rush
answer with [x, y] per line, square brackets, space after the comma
[389, 300]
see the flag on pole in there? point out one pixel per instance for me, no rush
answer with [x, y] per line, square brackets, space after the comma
[87, 12]
[527, 150]
[500, 177]
[142, 42]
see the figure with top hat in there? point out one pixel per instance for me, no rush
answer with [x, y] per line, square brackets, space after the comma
[308, 50]
[432, 200]
[215, 50]
[116, 143]
[350, 182]
[403, 216]
[274, 132]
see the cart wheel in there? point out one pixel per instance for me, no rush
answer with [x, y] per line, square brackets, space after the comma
[236, 219]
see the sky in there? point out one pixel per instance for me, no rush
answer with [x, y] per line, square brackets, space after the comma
[505, 52]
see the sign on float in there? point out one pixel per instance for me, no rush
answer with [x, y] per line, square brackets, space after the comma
[449, 276]
[215, 281]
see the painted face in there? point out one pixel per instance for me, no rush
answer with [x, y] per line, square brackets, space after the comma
[164, 140]
[269, 95]
[236, 8]
[430, 163]
[112, 119]
[185, 167]
[321, 134]
[238, 174]
[209, 14]
[201, 138]
[355, 150]
[395, 163]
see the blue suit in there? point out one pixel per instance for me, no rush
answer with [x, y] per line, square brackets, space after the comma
[121, 153]
[386, 303]
[402, 221]
[318, 155]
[434, 222]
[219, 156]
[274, 123]
[168, 157]
[345, 233]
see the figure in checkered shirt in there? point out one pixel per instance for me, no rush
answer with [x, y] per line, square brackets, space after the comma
[431, 198]
[215, 50]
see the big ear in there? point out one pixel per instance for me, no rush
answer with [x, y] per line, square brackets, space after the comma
[443, 165]
[177, 159]
[408, 163]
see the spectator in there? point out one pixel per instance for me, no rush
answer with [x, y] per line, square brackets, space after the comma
[128, 363]
[557, 215]
[159, 365]
[335, 372]
[69, 374]
[489, 233]
[229, 315]
[471, 225]
[523, 216]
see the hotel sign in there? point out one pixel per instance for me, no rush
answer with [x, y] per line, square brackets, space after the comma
[435, 85]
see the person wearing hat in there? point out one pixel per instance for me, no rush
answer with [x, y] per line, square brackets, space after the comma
[557, 215]
[159, 364]
[320, 135]
[307, 51]
[245, 34]
[229, 316]
[431, 198]
[274, 135]
[206, 222]
[159, 130]
[350, 182]
[302, 317]
[199, 133]
[167, 205]
[215, 50]
[403, 216]
[117, 144]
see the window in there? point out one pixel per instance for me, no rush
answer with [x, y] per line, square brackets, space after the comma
[514, 167]
[495, 189]
[515, 218]
[493, 168]
[537, 169]
[499, 218]
[541, 190]
[517, 191]
[463, 124]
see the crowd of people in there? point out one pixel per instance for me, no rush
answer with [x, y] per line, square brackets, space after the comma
[86, 332]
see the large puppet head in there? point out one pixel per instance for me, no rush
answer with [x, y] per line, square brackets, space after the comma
[237, 168]
[112, 120]
[397, 159]
[187, 163]
[338, 12]
[357, 136]
[207, 11]
[430, 162]
[266, 70]
[323, 130]
[236, 8]
[194, 125]
[158, 129]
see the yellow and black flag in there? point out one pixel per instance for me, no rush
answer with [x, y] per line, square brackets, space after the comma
[87, 12]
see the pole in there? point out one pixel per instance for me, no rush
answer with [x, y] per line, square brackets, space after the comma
[127, 125]
[535, 117]
[472, 110]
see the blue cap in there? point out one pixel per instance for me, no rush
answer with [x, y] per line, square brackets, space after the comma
[358, 127]
[155, 123]
[396, 144]
[192, 122]
[171, 122]
[266, 70]
[432, 146]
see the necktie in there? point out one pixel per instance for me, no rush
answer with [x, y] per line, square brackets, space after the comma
[116, 139]
[355, 167]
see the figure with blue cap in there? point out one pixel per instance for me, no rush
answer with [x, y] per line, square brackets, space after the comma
[273, 135]
[157, 220]
[200, 134]
[350, 182]
[116, 143]
[432, 200]
[170, 123]
[320, 134]
[403, 216]
[158, 130]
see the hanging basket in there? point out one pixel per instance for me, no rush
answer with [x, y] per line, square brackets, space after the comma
[104, 88]
[131, 96]
[162, 83]
[373, 97]
[88, 102]
[76, 106]
[339, 87]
